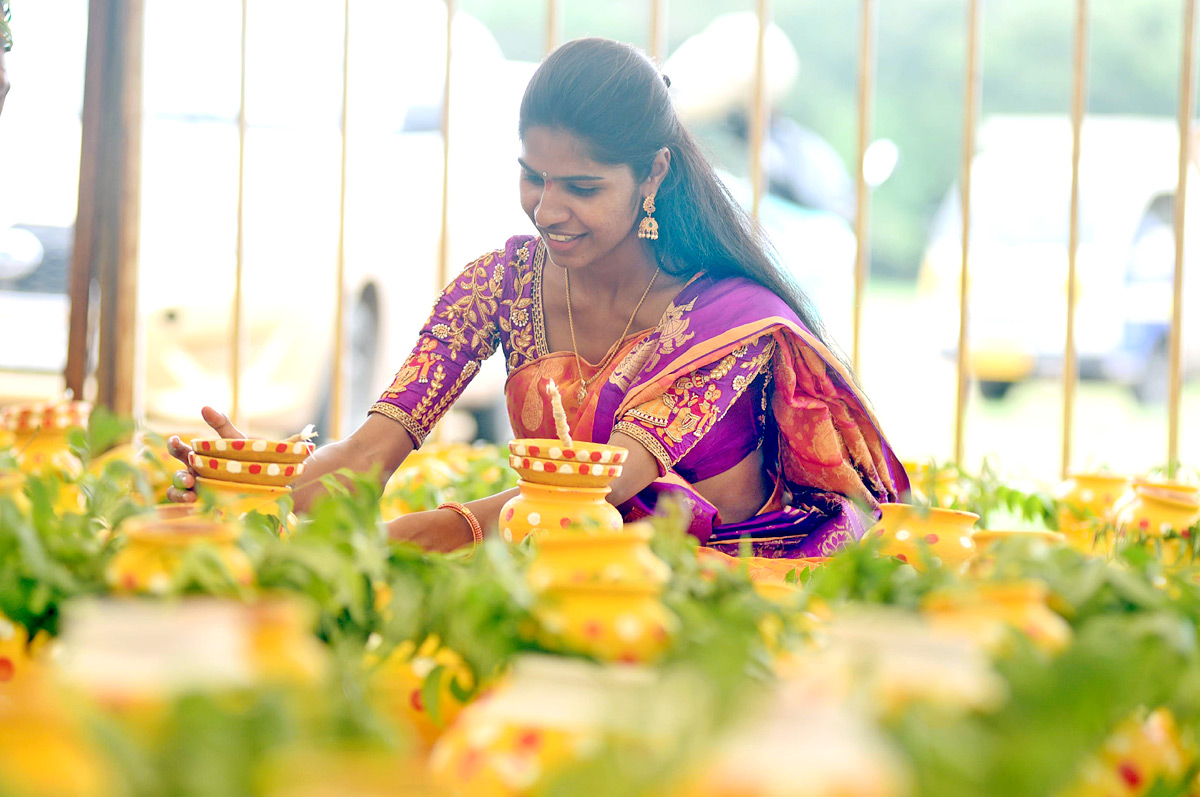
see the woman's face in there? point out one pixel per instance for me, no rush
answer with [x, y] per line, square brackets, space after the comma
[585, 211]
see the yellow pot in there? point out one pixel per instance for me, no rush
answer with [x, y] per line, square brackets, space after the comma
[1137, 754]
[154, 551]
[542, 509]
[283, 646]
[1157, 512]
[1087, 502]
[47, 452]
[984, 613]
[626, 623]
[986, 538]
[622, 557]
[548, 712]
[258, 474]
[291, 451]
[234, 500]
[947, 532]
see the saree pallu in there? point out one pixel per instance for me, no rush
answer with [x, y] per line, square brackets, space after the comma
[830, 464]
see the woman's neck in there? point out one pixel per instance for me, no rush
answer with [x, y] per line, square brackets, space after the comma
[626, 269]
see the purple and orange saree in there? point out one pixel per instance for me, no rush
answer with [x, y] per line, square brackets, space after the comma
[728, 362]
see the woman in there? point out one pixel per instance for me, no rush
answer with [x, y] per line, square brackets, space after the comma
[725, 393]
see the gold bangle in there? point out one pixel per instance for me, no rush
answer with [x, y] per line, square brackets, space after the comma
[469, 516]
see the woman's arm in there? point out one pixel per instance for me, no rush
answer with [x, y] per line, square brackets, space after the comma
[446, 530]
[378, 442]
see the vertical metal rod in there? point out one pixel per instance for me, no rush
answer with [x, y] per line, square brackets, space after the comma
[971, 111]
[658, 30]
[554, 21]
[759, 111]
[1187, 84]
[338, 388]
[862, 222]
[238, 333]
[1078, 105]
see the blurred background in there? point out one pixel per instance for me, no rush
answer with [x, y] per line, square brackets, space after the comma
[1021, 184]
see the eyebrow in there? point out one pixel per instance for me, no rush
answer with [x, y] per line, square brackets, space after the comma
[571, 178]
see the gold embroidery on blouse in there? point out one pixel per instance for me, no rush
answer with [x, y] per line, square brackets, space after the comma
[515, 319]
[469, 322]
[413, 428]
[415, 369]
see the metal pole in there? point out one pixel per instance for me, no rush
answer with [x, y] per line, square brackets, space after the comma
[758, 115]
[862, 223]
[237, 341]
[1078, 104]
[1187, 86]
[658, 30]
[969, 116]
[338, 389]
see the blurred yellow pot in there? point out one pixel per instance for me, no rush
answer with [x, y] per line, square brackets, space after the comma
[547, 713]
[1157, 512]
[44, 751]
[986, 612]
[400, 679]
[625, 622]
[620, 557]
[936, 487]
[18, 656]
[546, 509]
[1087, 502]
[154, 551]
[1140, 752]
[947, 532]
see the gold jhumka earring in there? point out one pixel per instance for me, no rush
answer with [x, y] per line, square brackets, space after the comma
[649, 227]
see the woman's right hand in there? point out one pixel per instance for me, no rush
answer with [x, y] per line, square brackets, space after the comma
[183, 484]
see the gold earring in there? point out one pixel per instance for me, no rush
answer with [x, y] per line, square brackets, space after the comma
[649, 227]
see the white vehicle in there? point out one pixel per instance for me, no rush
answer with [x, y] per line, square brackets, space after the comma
[1020, 208]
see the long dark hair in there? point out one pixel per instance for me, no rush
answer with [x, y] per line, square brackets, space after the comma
[612, 96]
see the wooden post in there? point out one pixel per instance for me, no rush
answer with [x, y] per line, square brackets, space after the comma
[970, 115]
[862, 221]
[759, 112]
[106, 227]
[1078, 105]
[1187, 85]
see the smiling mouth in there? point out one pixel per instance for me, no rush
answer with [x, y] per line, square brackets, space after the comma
[562, 239]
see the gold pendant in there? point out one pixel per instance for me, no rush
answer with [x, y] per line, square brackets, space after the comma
[581, 394]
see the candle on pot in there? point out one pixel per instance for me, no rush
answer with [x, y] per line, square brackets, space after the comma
[560, 416]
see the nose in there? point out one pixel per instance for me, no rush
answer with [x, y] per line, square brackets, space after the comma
[550, 209]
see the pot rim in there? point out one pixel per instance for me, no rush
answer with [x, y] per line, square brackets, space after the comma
[934, 511]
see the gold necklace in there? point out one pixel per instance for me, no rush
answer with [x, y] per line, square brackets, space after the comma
[581, 394]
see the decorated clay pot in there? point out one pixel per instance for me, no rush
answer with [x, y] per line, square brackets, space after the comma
[578, 451]
[40, 435]
[541, 508]
[986, 538]
[1142, 751]
[619, 622]
[1086, 504]
[564, 473]
[947, 533]
[260, 474]
[154, 552]
[622, 557]
[987, 612]
[549, 712]
[234, 499]
[280, 451]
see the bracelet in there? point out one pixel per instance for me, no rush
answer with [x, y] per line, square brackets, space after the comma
[469, 516]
